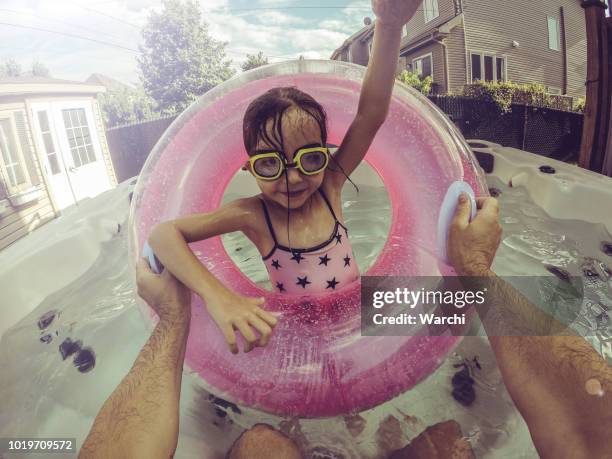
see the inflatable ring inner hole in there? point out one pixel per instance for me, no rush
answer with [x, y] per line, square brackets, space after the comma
[367, 215]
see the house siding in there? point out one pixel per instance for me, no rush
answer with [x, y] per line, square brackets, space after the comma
[455, 45]
[417, 26]
[487, 30]
[437, 61]
[575, 32]
[23, 221]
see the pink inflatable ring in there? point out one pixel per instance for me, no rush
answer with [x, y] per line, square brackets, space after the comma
[317, 363]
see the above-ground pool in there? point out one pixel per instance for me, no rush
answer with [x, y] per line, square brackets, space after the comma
[91, 298]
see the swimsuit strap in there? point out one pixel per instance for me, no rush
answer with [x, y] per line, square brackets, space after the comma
[329, 206]
[269, 222]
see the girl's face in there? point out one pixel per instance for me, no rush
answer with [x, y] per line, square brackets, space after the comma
[299, 130]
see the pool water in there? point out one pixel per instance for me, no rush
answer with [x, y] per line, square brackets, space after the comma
[46, 393]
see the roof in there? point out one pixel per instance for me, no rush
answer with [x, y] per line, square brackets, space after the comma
[42, 85]
[362, 33]
[366, 32]
[435, 33]
[108, 82]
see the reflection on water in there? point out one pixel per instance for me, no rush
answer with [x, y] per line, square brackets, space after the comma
[43, 393]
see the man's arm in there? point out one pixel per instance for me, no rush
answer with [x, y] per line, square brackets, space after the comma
[547, 370]
[550, 378]
[141, 417]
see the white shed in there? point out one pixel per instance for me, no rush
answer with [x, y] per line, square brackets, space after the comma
[53, 151]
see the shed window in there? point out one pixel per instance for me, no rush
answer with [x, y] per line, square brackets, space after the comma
[554, 37]
[79, 137]
[45, 129]
[12, 161]
[430, 9]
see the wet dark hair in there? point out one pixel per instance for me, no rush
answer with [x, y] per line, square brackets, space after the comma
[272, 105]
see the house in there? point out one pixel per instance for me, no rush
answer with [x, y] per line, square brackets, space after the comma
[53, 151]
[460, 41]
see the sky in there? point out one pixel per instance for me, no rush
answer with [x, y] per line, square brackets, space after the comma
[102, 36]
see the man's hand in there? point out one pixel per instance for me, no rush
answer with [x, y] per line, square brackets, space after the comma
[395, 13]
[163, 292]
[472, 246]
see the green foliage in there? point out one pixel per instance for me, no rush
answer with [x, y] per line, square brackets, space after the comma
[40, 70]
[179, 59]
[253, 61]
[11, 68]
[503, 94]
[579, 104]
[125, 105]
[414, 80]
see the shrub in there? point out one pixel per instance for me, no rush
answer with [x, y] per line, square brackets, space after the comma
[414, 80]
[504, 94]
[579, 104]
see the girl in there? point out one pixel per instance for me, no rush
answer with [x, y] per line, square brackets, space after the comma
[285, 136]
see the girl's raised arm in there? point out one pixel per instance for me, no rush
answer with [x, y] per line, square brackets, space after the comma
[377, 85]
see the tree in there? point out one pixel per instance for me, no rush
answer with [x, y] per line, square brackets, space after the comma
[253, 61]
[11, 68]
[125, 105]
[39, 69]
[179, 59]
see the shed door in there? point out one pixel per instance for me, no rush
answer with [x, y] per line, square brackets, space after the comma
[53, 162]
[81, 149]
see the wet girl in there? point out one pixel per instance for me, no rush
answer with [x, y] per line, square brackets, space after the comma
[285, 136]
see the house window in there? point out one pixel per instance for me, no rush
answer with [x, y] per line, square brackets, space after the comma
[488, 67]
[423, 65]
[43, 122]
[554, 37]
[430, 9]
[12, 161]
[79, 137]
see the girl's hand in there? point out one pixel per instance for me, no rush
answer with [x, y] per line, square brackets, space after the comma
[232, 312]
[395, 12]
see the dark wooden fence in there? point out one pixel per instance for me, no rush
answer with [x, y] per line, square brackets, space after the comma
[548, 132]
[130, 145]
[544, 131]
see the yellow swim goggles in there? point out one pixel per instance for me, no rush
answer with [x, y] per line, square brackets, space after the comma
[271, 165]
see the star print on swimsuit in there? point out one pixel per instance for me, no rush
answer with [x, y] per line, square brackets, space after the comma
[347, 260]
[332, 284]
[303, 281]
[297, 256]
[324, 267]
[324, 260]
